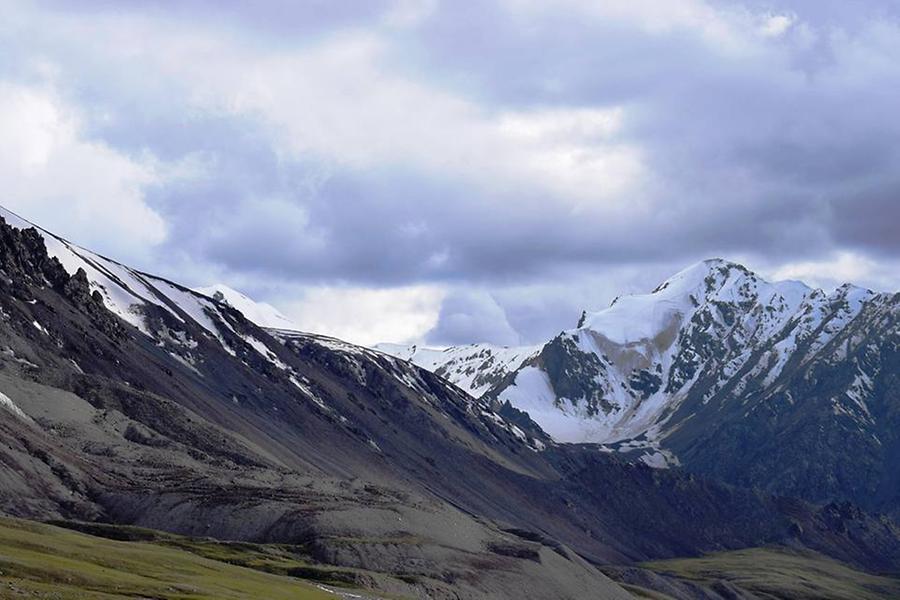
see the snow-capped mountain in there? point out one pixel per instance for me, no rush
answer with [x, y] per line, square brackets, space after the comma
[618, 375]
[603, 381]
[710, 359]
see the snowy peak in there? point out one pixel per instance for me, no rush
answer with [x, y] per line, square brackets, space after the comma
[721, 279]
[262, 314]
[711, 332]
[702, 276]
[709, 336]
[705, 286]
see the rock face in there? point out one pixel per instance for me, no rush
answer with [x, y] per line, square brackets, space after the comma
[131, 399]
[773, 385]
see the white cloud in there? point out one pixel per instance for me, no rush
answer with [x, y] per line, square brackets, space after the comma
[472, 316]
[841, 267]
[776, 25]
[728, 29]
[77, 187]
[651, 16]
[342, 101]
[575, 150]
[367, 316]
[581, 124]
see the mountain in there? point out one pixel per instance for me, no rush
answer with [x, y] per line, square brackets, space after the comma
[260, 313]
[132, 400]
[773, 385]
[475, 368]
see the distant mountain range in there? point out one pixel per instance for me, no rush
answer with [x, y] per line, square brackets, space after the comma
[774, 385]
[130, 399]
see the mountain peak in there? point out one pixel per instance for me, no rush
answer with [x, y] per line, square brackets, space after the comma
[699, 271]
[720, 262]
[636, 317]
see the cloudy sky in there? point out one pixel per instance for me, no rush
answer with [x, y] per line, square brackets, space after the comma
[454, 171]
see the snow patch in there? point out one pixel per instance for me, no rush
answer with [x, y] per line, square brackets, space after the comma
[262, 314]
[7, 404]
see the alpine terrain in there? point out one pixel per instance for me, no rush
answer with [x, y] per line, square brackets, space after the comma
[770, 385]
[198, 431]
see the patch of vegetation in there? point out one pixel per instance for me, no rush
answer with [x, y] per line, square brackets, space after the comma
[46, 561]
[781, 573]
[278, 559]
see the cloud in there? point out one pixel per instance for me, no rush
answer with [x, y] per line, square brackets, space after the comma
[367, 316]
[79, 187]
[309, 102]
[468, 316]
[646, 16]
[839, 268]
[776, 25]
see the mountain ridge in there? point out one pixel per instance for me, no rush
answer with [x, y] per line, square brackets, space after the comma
[672, 376]
[630, 321]
[154, 406]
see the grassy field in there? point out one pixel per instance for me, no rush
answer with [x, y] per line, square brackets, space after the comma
[112, 562]
[782, 573]
[45, 561]
[277, 559]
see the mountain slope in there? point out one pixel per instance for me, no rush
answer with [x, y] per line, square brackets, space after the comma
[619, 374]
[603, 381]
[194, 420]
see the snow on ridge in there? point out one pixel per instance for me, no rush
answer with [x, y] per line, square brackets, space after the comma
[122, 289]
[261, 313]
[613, 352]
[7, 404]
[471, 367]
[125, 291]
[638, 317]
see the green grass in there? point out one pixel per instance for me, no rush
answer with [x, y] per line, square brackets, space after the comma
[279, 559]
[91, 562]
[782, 573]
[45, 561]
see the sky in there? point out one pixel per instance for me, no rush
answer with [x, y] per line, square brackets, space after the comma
[452, 171]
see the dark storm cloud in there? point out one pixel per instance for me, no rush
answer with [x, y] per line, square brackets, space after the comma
[454, 236]
[870, 219]
[764, 130]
